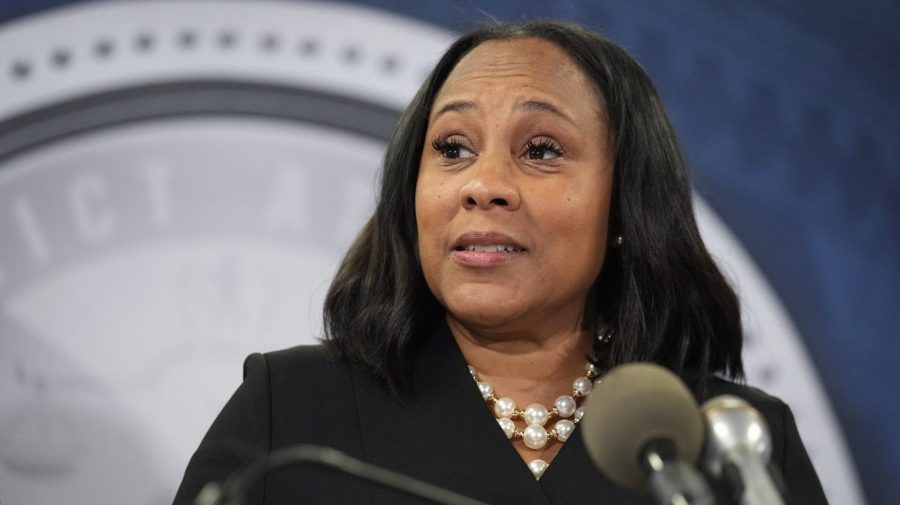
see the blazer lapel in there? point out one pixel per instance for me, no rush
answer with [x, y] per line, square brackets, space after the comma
[442, 433]
[572, 478]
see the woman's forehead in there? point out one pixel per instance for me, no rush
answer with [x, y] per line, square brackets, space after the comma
[528, 68]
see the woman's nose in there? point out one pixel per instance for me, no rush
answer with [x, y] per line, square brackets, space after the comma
[490, 185]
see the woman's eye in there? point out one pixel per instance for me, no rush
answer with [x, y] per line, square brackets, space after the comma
[543, 150]
[451, 149]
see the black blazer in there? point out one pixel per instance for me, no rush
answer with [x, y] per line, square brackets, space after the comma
[441, 433]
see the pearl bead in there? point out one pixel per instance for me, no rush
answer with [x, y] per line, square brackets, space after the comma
[535, 437]
[507, 425]
[565, 405]
[583, 385]
[536, 414]
[537, 467]
[564, 428]
[504, 407]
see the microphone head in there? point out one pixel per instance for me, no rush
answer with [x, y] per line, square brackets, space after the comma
[734, 426]
[633, 405]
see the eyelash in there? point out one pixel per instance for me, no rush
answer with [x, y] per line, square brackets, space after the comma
[545, 144]
[444, 145]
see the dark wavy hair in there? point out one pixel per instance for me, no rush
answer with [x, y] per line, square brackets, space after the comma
[660, 292]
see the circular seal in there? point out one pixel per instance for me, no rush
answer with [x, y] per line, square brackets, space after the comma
[176, 195]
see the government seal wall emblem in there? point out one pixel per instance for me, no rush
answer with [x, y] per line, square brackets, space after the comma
[178, 181]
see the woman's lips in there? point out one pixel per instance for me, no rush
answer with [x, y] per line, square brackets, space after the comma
[486, 249]
[484, 259]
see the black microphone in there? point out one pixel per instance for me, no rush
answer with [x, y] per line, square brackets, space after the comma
[738, 450]
[643, 429]
[234, 490]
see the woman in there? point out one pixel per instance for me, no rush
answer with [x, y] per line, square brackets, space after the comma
[534, 224]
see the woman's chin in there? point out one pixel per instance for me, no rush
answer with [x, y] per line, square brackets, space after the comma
[486, 314]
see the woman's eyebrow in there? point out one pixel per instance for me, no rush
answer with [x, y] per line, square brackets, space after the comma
[540, 106]
[526, 106]
[457, 106]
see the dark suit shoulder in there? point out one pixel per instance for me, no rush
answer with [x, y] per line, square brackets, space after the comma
[313, 355]
[719, 385]
[299, 395]
[303, 362]
[312, 398]
[757, 397]
[239, 435]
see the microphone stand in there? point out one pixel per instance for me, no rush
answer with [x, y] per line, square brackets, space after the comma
[234, 490]
[672, 480]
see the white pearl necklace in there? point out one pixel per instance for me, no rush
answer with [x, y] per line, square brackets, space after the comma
[535, 416]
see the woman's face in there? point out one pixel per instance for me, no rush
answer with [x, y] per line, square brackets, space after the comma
[513, 191]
